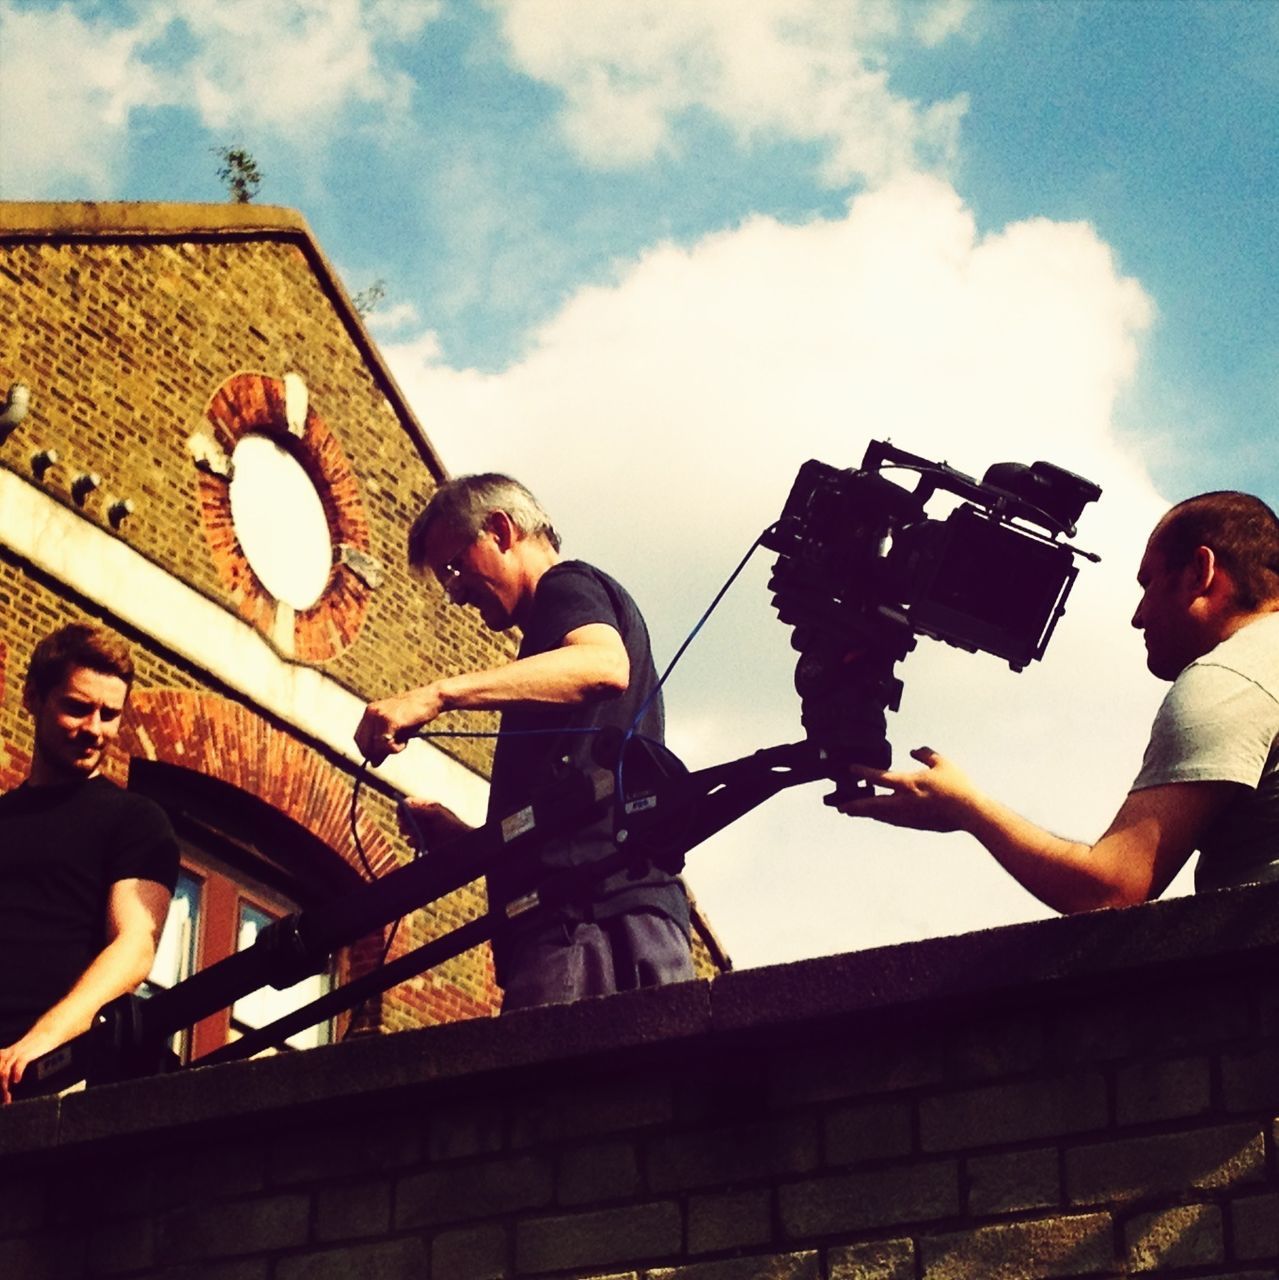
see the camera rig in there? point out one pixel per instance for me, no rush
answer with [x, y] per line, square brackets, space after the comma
[862, 569]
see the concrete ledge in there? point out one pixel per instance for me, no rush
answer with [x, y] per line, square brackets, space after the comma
[29, 1126]
[1139, 946]
[1192, 931]
[340, 1075]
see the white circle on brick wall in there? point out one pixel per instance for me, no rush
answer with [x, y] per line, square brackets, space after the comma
[280, 521]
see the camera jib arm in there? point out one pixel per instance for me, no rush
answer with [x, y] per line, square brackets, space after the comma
[667, 812]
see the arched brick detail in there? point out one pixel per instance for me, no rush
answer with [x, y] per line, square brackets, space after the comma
[214, 736]
[224, 740]
[250, 403]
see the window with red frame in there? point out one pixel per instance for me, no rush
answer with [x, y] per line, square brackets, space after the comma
[217, 910]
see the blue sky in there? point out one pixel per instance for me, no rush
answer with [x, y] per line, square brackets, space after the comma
[651, 256]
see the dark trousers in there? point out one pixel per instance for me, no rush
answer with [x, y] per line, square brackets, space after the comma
[640, 949]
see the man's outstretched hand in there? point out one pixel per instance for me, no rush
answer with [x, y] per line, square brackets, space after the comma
[938, 797]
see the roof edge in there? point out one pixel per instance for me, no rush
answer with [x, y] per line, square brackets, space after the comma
[132, 217]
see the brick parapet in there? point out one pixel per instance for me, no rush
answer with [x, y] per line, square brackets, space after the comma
[926, 1113]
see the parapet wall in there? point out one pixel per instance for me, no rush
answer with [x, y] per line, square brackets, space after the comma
[1091, 1096]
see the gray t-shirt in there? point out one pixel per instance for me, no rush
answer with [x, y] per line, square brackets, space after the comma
[1220, 723]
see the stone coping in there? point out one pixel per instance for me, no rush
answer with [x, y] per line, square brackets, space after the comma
[33, 219]
[1229, 929]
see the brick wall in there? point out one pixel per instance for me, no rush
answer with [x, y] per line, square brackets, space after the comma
[143, 329]
[129, 338]
[1093, 1096]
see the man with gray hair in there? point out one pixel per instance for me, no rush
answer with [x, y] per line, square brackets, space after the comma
[584, 664]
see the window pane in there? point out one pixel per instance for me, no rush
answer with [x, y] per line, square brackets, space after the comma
[175, 956]
[267, 1004]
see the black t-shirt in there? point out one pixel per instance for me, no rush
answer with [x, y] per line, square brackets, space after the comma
[62, 847]
[570, 595]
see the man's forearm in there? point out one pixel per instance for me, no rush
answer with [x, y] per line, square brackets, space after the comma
[135, 915]
[570, 675]
[579, 671]
[1064, 874]
[1061, 873]
[590, 664]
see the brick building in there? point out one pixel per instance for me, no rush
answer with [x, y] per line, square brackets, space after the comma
[216, 462]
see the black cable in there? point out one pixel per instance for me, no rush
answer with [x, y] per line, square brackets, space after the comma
[360, 779]
[355, 827]
[505, 733]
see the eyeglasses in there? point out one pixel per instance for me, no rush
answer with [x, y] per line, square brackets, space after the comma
[449, 575]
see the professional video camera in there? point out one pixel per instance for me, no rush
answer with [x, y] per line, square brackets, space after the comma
[863, 569]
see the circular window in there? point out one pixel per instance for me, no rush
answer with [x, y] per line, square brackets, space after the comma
[281, 510]
[280, 521]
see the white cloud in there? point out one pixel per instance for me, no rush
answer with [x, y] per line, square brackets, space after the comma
[797, 69]
[937, 22]
[662, 419]
[394, 318]
[291, 66]
[67, 89]
[69, 85]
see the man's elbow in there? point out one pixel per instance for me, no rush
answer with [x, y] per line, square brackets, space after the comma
[610, 679]
[1100, 893]
[1111, 898]
[604, 690]
[618, 679]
